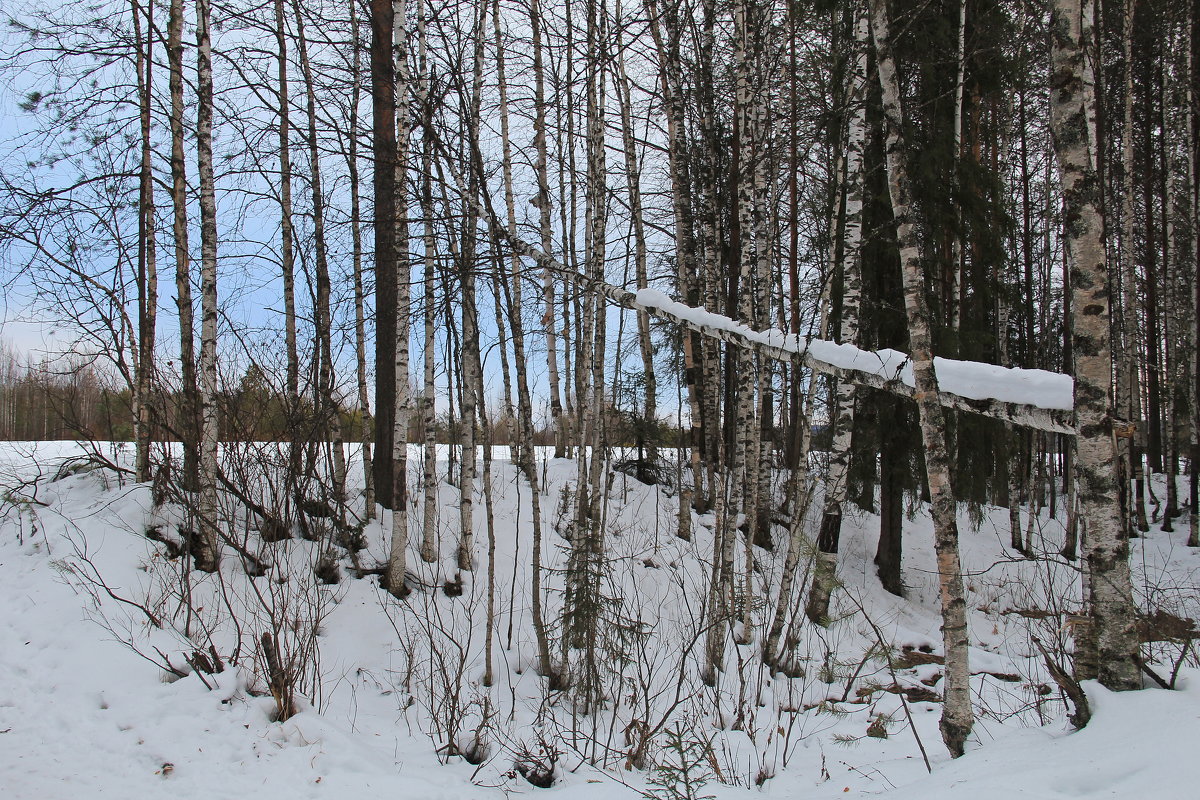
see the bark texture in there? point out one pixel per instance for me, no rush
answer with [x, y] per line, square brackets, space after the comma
[1104, 533]
[957, 715]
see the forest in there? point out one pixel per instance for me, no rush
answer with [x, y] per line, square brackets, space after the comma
[667, 377]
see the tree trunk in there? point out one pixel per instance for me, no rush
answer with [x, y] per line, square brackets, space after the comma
[836, 483]
[1105, 537]
[470, 321]
[328, 409]
[890, 550]
[685, 253]
[189, 430]
[1129, 404]
[147, 251]
[360, 334]
[586, 565]
[383, 147]
[632, 184]
[799, 494]
[287, 255]
[1192, 347]
[542, 203]
[957, 715]
[205, 550]
[400, 313]
[429, 478]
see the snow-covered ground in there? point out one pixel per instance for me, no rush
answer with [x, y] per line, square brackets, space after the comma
[85, 709]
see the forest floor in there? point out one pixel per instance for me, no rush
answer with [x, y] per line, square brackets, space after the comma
[86, 709]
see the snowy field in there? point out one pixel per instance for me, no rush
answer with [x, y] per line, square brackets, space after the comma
[89, 707]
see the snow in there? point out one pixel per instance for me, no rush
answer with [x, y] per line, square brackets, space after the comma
[1139, 745]
[82, 715]
[970, 379]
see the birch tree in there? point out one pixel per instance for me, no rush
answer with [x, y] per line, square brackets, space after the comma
[1104, 535]
[189, 390]
[147, 277]
[205, 549]
[957, 715]
[836, 479]
[401, 315]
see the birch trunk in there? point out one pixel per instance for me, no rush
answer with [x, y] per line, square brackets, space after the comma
[799, 494]
[565, 158]
[205, 551]
[836, 483]
[147, 250]
[542, 203]
[356, 248]
[765, 223]
[1106, 546]
[1171, 320]
[189, 392]
[490, 520]
[519, 438]
[397, 557]
[957, 715]
[470, 321]
[1129, 405]
[757, 480]
[742, 359]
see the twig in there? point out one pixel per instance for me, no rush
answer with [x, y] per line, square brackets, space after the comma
[1183, 653]
[892, 669]
[1070, 686]
[858, 671]
[1153, 675]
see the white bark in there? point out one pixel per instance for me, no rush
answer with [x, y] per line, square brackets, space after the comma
[360, 336]
[957, 715]
[397, 556]
[207, 557]
[1106, 547]
[836, 483]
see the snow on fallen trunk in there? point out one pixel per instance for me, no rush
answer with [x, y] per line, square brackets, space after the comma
[1031, 397]
[972, 380]
[1025, 397]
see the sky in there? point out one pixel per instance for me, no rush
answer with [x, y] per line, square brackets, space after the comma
[249, 286]
[22, 328]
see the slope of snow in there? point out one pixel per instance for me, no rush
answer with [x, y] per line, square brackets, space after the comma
[1139, 745]
[82, 715]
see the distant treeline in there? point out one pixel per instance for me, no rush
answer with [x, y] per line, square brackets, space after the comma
[50, 399]
[56, 399]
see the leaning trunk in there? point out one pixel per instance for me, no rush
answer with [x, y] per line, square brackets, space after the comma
[957, 715]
